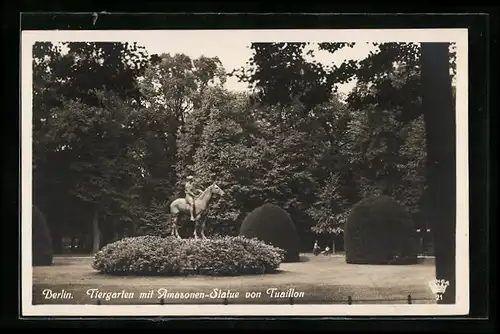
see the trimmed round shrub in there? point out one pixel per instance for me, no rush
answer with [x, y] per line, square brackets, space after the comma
[153, 255]
[42, 251]
[273, 225]
[379, 230]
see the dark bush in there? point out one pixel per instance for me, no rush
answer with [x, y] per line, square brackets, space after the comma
[41, 251]
[222, 256]
[379, 230]
[273, 225]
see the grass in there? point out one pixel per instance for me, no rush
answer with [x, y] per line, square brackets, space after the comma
[321, 279]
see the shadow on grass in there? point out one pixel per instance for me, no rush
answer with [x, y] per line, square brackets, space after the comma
[186, 274]
[403, 261]
[62, 263]
[42, 265]
[304, 258]
[55, 264]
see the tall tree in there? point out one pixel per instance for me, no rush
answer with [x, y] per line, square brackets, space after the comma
[176, 98]
[439, 115]
[224, 155]
[389, 87]
[68, 83]
[173, 87]
[101, 168]
[257, 155]
[281, 74]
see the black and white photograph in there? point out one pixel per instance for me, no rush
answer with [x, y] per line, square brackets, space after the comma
[244, 172]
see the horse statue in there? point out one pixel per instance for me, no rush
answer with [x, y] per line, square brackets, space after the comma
[180, 205]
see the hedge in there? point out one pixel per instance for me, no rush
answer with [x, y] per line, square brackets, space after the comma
[379, 230]
[273, 225]
[221, 256]
[42, 251]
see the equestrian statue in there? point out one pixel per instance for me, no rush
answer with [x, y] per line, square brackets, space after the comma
[195, 204]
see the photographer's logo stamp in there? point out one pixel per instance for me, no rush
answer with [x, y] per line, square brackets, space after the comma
[438, 287]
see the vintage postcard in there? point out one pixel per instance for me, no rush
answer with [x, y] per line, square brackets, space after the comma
[245, 172]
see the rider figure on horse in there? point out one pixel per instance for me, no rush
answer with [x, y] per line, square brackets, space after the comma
[191, 191]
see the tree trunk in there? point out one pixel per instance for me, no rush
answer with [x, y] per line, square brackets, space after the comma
[81, 242]
[439, 116]
[96, 233]
[57, 240]
[73, 246]
[88, 242]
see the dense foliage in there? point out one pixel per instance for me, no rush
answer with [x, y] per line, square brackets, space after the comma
[116, 131]
[271, 224]
[379, 230]
[41, 251]
[222, 256]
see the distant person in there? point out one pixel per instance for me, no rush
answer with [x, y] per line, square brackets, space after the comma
[316, 248]
[327, 251]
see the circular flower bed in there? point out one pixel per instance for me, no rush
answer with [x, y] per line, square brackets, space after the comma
[222, 256]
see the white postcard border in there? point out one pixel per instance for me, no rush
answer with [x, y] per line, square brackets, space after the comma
[458, 36]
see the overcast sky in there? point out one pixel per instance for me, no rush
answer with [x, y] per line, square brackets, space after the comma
[234, 52]
[232, 46]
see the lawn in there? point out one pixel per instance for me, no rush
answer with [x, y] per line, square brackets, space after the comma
[315, 280]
